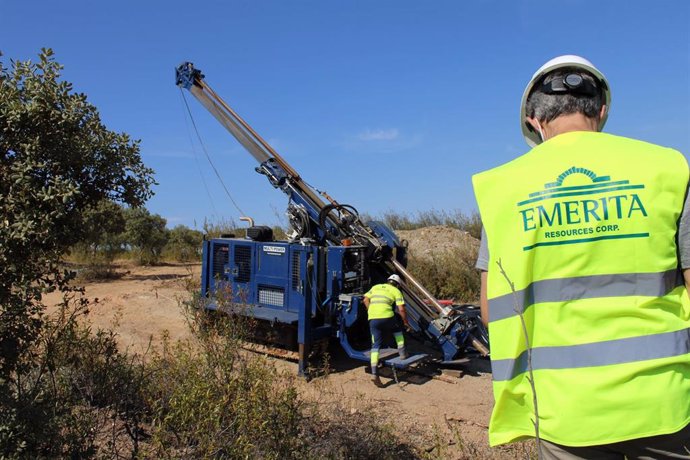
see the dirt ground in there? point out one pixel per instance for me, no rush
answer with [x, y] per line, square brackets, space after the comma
[143, 304]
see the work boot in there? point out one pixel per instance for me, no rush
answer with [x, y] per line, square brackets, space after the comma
[402, 353]
[376, 380]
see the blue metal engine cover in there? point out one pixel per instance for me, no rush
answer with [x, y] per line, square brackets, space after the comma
[264, 279]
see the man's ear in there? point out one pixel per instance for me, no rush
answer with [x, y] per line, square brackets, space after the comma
[533, 123]
[602, 114]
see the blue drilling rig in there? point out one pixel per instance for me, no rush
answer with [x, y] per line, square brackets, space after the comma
[312, 284]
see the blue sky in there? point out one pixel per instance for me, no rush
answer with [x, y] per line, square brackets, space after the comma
[387, 105]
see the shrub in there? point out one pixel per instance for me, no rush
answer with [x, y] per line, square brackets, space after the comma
[101, 241]
[449, 275]
[146, 234]
[212, 400]
[183, 245]
[82, 397]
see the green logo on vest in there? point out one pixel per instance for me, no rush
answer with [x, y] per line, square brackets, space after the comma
[581, 207]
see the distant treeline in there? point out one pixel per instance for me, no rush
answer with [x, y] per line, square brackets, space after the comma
[112, 231]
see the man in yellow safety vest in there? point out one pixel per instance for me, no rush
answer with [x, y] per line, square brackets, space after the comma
[380, 302]
[583, 286]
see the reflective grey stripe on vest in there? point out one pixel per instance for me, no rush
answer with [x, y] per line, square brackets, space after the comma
[619, 351]
[376, 299]
[585, 287]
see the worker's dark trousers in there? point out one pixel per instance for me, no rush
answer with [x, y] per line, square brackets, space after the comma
[675, 445]
[379, 329]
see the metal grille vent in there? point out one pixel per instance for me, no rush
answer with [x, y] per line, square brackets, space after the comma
[220, 259]
[243, 262]
[272, 295]
[296, 271]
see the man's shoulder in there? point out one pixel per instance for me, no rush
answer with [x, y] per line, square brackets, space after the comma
[606, 143]
[663, 156]
[386, 287]
[378, 287]
[394, 290]
[629, 140]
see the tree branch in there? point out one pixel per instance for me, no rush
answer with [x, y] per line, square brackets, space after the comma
[520, 311]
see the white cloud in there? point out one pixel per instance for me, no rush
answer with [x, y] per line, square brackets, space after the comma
[381, 141]
[379, 134]
[169, 154]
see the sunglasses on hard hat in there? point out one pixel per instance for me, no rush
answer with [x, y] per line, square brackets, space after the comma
[571, 83]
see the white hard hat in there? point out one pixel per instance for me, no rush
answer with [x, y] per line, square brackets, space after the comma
[395, 278]
[568, 60]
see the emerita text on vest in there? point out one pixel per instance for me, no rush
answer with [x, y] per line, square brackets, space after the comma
[559, 213]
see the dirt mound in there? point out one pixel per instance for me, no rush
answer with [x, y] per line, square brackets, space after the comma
[431, 241]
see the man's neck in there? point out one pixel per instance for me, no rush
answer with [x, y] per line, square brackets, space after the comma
[568, 123]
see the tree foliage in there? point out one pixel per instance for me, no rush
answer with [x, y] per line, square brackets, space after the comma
[57, 160]
[103, 226]
[184, 244]
[146, 232]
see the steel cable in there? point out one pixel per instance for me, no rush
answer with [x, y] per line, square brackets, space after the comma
[203, 147]
[198, 166]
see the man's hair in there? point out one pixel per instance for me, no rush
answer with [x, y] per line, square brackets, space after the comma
[547, 107]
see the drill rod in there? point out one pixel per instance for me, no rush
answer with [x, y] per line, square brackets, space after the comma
[411, 279]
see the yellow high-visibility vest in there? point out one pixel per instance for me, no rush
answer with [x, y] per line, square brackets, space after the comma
[584, 226]
[382, 297]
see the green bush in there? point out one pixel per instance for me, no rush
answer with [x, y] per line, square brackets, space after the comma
[146, 235]
[201, 398]
[83, 397]
[210, 399]
[449, 275]
[101, 240]
[234, 408]
[183, 245]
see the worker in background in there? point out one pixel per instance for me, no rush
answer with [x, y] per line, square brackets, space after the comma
[580, 243]
[380, 302]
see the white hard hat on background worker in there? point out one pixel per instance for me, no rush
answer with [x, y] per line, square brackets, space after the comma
[569, 60]
[395, 278]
